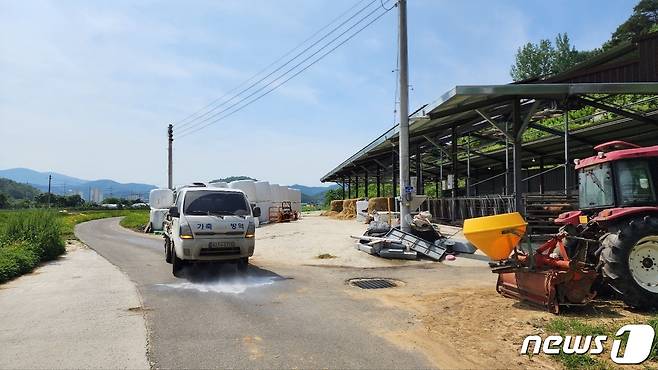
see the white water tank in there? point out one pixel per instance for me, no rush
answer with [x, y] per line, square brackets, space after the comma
[263, 191]
[247, 186]
[276, 194]
[218, 184]
[361, 210]
[295, 199]
[285, 195]
[157, 218]
[161, 198]
[263, 200]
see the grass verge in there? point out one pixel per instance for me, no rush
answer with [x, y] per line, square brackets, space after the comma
[135, 220]
[29, 237]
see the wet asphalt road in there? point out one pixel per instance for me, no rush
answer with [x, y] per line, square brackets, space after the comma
[274, 317]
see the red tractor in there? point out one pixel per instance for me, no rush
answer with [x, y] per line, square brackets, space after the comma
[612, 241]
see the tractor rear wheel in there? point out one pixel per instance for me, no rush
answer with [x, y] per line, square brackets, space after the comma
[630, 261]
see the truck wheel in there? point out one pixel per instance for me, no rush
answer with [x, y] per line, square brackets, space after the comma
[176, 263]
[167, 248]
[630, 262]
[243, 264]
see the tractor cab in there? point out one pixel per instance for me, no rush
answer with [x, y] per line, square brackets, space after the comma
[621, 175]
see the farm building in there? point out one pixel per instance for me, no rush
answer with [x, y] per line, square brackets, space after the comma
[480, 150]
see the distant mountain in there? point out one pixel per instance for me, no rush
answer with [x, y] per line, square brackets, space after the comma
[63, 184]
[32, 177]
[313, 190]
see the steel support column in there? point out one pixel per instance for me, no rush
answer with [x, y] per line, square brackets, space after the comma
[349, 187]
[419, 172]
[365, 183]
[541, 177]
[379, 182]
[455, 182]
[356, 184]
[566, 150]
[517, 175]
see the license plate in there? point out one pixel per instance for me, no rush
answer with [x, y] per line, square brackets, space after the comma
[221, 244]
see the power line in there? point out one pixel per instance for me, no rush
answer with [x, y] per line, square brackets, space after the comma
[289, 78]
[190, 128]
[188, 120]
[213, 116]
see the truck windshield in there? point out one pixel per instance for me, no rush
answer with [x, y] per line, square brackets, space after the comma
[635, 182]
[215, 203]
[596, 188]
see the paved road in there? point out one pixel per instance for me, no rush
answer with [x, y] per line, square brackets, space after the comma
[275, 317]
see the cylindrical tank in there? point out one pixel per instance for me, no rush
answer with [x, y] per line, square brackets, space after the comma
[157, 218]
[361, 210]
[263, 191]
[247, 186]
[283, 191]
[263, 200]
[297, 199]
[218, 184]
[276, 194]
[161, 198]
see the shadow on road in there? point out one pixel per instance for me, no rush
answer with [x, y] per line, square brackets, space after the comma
[223, 278]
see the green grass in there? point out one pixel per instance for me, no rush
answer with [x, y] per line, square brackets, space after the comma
[26, 239]
[135, 220]
[70, 219]
[654, 352]
[29, 237]
[566, 326]
[569, 326]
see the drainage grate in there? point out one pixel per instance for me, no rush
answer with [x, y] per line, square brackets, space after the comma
[373, 283]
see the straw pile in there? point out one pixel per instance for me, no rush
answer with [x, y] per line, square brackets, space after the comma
[349, 210]
[336, 206]
[329, 213]
[380, 204]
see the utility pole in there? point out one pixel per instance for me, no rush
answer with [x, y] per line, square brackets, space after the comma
[50, 177]
[170, 173]
[405, 195]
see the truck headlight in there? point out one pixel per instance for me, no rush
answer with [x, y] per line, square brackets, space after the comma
[186, 232]
[251, 231]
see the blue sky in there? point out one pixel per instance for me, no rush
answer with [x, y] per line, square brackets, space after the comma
[88, 86]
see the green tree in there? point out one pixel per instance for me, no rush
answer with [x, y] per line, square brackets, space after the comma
[533, 61]
[4, 201]
[643, 20]
[545, 58]
[332, 194]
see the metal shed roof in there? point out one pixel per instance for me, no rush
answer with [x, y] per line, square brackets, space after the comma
[471, 108]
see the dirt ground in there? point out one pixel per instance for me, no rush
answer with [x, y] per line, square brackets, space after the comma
[302, 242]
[459, 321]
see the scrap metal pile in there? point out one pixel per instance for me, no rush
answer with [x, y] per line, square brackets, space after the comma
[424, 240]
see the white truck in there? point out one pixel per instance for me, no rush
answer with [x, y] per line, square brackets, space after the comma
[209, 225]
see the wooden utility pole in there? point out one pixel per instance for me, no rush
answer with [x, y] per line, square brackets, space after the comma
[50, 177]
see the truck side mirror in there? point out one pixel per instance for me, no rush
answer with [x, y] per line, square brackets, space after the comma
[256, 211]
[173, 212]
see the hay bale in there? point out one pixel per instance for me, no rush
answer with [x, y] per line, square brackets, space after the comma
[349, 210]
[329, 213]
[336, 206]
[380, 204]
